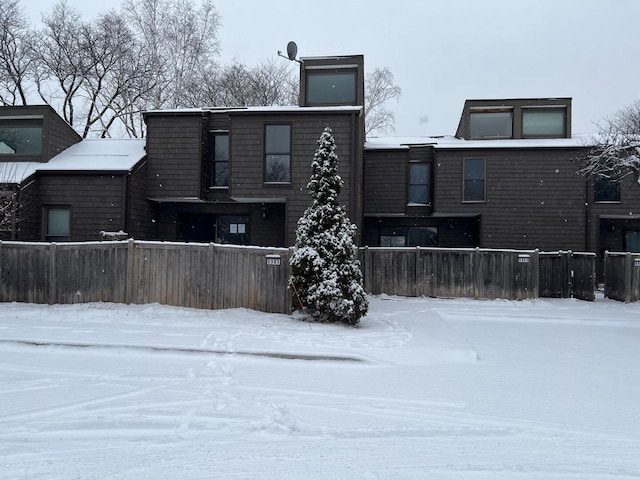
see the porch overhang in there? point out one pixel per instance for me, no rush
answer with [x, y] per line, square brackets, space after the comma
[259, 199]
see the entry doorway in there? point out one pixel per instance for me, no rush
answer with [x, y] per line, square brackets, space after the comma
[202, 227]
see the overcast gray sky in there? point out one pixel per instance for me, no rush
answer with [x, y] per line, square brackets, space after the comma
[443, 52]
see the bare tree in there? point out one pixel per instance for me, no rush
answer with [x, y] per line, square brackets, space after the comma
[379, 88]
[15, 61]
[181, 41]
[616, 151]
[61, 64]
[273, 83]
[238, 85]
[118, 75]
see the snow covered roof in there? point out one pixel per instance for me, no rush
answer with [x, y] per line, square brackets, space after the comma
[104, 154]
[450, 142]
[267, 109]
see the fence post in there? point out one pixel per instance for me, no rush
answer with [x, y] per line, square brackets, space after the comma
[211, 281]
[476, 272]
[367, 269]
[628, 276]
[288, 294]
[129, 285]
[417, 286]
[53, 282]
[567, 264]
[535, 272]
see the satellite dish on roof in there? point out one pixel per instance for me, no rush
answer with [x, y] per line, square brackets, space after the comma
[292, 50]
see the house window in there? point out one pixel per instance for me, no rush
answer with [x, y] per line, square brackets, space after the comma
[58, 224]
[393, 237]
[607, 190]
[491, 124]
[219, 148]
[232, 229]
[331, 87]
[474, 180]
[409, 237]
[20, 137]
[632, 241]
[277, 153]
[544, 122]
[418, 183]
[422, 237]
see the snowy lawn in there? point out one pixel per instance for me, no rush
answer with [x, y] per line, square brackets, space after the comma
[425, 389]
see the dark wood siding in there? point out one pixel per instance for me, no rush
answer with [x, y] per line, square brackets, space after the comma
[174, 155]
[247, 162]
[141, 213]
[97, 202]
[58, 135]
[385, 179]
[534, 199]
[29, 214]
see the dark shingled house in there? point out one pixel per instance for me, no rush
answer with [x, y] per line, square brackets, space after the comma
[507, 179]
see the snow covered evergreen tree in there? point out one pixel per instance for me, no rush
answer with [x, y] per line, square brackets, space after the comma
[325, 272]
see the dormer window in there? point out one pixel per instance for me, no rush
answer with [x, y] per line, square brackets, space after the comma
[491, 123]
[336, 86]
[515, 119]
[544, 122]
[332, 81]
[21, 137]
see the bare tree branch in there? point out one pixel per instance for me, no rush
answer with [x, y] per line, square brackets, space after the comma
[15, 61]
[616, 151]
[379, 89]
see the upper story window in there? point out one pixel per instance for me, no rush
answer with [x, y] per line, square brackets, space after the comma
[418, 183]
[331, 86]
[474, 180]
[219, 148]
[57, 224]
[544, 122]
[20, 137]
[277, 153]
[607, 190]
[492, 123]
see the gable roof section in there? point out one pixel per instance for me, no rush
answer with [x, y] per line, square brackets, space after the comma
[89, 155]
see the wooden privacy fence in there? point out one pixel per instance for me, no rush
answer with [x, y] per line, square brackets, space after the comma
[478, 273]
[223, 276]
[190, 275]
[622, 276]
[436, 272]
[567, 274]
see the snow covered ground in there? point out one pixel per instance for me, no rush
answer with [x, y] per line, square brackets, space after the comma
[425, 389]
